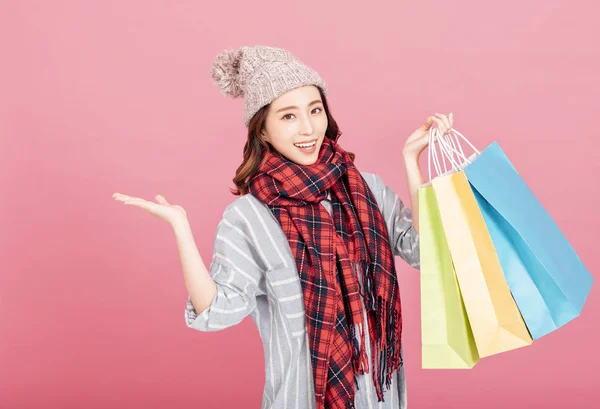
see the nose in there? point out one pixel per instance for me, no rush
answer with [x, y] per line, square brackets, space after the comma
[306, 126]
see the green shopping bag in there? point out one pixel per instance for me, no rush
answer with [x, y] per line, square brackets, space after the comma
[447, 339]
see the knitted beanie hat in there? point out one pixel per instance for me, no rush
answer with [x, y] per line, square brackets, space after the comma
[260, 74]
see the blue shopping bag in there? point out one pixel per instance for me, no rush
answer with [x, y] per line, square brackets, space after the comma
[547, 279]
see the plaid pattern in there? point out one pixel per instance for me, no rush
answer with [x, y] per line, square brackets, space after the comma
[329, 251]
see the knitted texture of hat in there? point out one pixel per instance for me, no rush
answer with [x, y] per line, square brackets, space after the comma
[260, 74]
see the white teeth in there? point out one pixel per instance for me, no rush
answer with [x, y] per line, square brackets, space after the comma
[305, 145]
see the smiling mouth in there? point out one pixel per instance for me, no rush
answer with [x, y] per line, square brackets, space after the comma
[306, 144]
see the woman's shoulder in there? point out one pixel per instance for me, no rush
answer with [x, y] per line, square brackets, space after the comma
[246, 211]
[374, 181]
[386, 197]
[250, 222]
[246, 203]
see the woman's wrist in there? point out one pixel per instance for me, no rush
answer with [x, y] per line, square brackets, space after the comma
[181, 226]
[413, 170]
[410, 158]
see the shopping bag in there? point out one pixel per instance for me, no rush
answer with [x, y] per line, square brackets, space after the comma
[494, 318]
[548, 280]
[446, 336]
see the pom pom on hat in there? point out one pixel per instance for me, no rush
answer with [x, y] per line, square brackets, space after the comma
[225, 73]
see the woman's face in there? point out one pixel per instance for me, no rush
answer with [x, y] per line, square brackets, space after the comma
[297, 117]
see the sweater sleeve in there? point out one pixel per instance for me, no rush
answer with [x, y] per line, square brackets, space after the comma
[404, 239]
[238, 272]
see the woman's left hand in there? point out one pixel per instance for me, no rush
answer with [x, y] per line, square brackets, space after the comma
[419, 139]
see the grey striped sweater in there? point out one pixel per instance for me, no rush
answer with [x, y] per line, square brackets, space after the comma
[255, 273]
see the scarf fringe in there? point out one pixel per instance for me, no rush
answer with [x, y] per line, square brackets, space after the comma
[385, 348]
[386, 355]
[359, 355]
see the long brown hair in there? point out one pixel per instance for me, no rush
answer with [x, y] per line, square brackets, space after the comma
[255, 147]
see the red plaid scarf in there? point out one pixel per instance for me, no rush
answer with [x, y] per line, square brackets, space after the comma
[329, 252]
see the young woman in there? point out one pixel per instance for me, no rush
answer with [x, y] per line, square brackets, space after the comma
[308, 248]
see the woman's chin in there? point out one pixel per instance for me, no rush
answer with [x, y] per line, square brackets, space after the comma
[305, 160]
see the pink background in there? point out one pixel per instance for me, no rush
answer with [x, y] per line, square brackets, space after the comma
[115, 96]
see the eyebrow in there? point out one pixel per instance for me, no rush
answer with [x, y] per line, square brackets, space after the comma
[316, 101]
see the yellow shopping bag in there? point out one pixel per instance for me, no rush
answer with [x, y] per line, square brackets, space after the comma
[494, 317]
[446, 336]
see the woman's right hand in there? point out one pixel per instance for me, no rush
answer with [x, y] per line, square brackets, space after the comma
[173, 214]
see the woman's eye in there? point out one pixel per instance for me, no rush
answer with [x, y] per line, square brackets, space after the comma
[287, 115]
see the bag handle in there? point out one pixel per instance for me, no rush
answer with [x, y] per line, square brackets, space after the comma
[454, 147]
[445, 149]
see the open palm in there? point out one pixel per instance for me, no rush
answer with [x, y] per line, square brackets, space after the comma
[162, 209]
